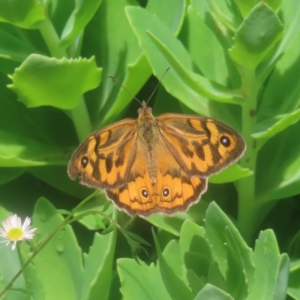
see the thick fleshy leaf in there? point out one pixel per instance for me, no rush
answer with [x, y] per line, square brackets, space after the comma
[57, 177]
[282, 93]
[246, 6]
[224, 12]
[140, 281]
[196, 82]
[256, 36]
[290, 13]
[18, 151]
[269, 127]
[239, 262]
[9, 174]
[21, 13]
[171, 254]
[294, 284]
[14, 49]
[41, 80]
[174, 285]
[212, 292]
[211, 59]
[137, 68]
[98, 267]
[233, 173]
[84, 11]
[171, 224]
[278, 173]
[216, 225]
[271, 268]
[188, 231]
[61, 253]
[156, 41]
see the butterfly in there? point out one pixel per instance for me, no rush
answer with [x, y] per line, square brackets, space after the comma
[156, 164]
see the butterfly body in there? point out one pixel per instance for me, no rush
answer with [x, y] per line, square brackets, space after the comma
[156, 164]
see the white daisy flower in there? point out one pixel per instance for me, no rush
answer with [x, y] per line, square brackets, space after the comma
[14, 230]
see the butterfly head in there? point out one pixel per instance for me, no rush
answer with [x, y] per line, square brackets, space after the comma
[144, 110]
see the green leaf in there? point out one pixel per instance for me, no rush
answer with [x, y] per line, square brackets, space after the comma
[195, 282]
[17, 151]
[141, 20]
[61, 253]
[269, 127]
[282, 92]
[63, 211]
[189, 231]
[83, 13]
[246, 6]
[172, 255]
[239, 262]
[196, 82]
[230, 174]
[256, 36]
[212, 60]
[212, 292]
[272, 269]
[137, 68]
[12, 48]
[56, 82]
[170, 224]
[198, 263]
[278, 173]
[215, 276]
[140, 281]
[98, 269]
[95, 204]
[176, 287]
[57, 177]
[290, 13]
[217, 225]
[294, 283]
[9, 174]
[21, 13]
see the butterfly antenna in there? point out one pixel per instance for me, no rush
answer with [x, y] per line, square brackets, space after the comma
[163, 75]
[118, 82]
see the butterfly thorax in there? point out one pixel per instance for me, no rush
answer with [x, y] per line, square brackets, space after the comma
[146, 126]
[147, 136]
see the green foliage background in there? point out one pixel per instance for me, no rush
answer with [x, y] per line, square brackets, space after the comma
[234, 60]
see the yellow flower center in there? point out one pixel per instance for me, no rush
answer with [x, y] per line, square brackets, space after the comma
[15, 233]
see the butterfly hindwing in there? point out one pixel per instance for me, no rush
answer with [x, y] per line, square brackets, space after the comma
[171, 191]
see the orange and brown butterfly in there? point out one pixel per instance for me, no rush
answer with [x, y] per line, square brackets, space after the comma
[156, 164]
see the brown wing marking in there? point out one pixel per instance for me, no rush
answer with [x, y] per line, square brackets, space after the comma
[173, 190]
[202, 146]
[105, 158]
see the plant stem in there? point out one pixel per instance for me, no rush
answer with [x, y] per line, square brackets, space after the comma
[81, 120]
[51, 39]
[23, 271]
[80, 115]
[246, 187]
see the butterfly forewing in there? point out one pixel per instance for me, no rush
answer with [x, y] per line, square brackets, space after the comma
[104, 159]
[202, 146]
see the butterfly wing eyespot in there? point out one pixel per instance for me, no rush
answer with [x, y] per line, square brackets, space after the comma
[84, 161]
[225, 141]
[144, 193]
[104, 159]
[165, 192]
